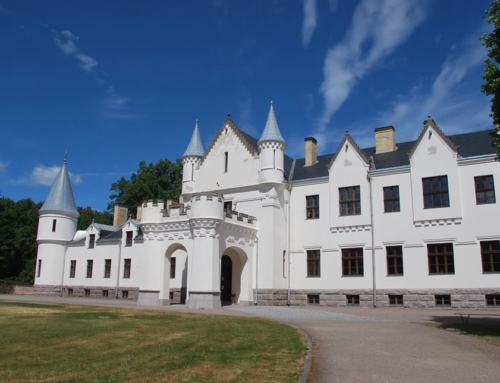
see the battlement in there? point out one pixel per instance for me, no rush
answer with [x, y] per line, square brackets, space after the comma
[241, 217]
[207, 205]
[152, 210]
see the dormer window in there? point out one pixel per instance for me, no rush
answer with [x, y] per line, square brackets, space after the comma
[91, 241]
[128, 241]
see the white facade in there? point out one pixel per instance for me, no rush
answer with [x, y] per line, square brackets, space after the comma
[410, 224]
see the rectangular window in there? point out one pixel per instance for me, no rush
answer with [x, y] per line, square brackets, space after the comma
[442, 300]
[485, 190]
[394, 260]
[226, 160]
[435, 192]
[72, 269]
[91, 241]
[107, 268]
[126, 268]
[124, 293]
[312, 207]
[350, 201]
[87, 292]
[313, 299]
[313, 263]
[54, 223]
[284, 263]
[492, 299]
[440, 258]
[70, 291]
[128, 241]
[90, 265]
[490, 256]
[104, 293]
[395, 300]
[39, 268]
[352, 262]
[173, 262]
[391, 199]
[352, 300]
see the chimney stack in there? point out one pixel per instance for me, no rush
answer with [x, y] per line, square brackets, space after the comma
[120, 215]
[385, 139]
[139, 213]
[311, 157]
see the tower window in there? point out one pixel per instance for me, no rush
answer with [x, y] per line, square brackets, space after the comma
[226, 158]
[192, 172]
[39, 268]
[54, 223]
[274, 158]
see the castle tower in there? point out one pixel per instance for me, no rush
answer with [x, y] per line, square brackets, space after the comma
[56, 227]
[271, 147]
[190, 161]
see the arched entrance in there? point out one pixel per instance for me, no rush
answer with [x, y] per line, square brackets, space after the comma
[175, 269]
[226, 280]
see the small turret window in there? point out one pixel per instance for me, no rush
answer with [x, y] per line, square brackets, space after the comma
[54, 223]
[226, 160]
[39, 268]
[274, 158]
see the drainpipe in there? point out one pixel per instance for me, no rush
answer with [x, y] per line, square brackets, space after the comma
[289, 223]
[373, 242]
[256, 269]
[118, 269]
[64, 266]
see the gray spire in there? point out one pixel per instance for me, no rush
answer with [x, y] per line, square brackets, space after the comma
[271, 131]
[195, 147]
[61, 197]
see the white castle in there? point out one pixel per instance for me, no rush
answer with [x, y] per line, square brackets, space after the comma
[411, 224]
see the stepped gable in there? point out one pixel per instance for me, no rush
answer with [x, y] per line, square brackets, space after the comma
[60, 197]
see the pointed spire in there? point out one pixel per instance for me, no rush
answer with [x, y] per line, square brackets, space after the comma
[61, 197]
[271, 131]
[195, 147]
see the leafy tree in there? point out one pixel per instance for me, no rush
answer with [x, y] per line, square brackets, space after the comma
[87, 215]
[491, 75]
[162, 180]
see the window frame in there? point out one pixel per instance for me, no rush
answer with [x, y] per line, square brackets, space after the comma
[91, 241]
[392, 201]
[314, 263]
[349, 256]
[484, 190]
[394, 257]
[129, 239]
[442, 191]
[39, 270]
[127, 268]
[312, 206]
[72, 268]
[107, 268]
[90, 268]
[490, 256]
[54, 225]
[441, 254]
[349, 204]
[173, 264]
[313, 299]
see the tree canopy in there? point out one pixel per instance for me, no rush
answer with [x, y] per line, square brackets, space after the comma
[491, 75]
[162, 180]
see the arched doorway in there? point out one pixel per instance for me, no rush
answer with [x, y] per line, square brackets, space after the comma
[226, 279]
[175, 273]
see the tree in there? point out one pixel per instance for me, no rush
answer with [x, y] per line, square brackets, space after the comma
[162, 180]
[491, 75]
[87, 215]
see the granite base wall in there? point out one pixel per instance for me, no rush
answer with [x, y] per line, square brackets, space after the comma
[178, 295]
[79, 291]
[412, 298]
[16, 289]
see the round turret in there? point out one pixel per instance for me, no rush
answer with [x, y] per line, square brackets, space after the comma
[207, 206]
[191, 160]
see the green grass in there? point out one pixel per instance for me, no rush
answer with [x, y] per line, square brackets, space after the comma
[65, 343]
[488, 332]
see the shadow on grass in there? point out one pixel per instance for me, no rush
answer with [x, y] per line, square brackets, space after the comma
[480, 326]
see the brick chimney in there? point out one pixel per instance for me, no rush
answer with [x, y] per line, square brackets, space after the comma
[138, 215]
[120, 215]
[311, 157]
[385, 139]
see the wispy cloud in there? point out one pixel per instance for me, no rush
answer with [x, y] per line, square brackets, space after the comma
[67, 43]
[45, 175]
[310, 21]
[3, 165]
[116, 106]
[6, 12]
[377, 29]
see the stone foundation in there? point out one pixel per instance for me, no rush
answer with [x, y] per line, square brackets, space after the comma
[130, 293]
[15, 289]
[411, 298]
[204, 300]
[178, 296]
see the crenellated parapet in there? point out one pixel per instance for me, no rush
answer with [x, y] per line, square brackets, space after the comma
[207, 206]
[152, 210]
[276, 145]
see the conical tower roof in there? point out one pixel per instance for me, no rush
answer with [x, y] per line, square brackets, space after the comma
[195, 147]
[271, 131]
[61, 197]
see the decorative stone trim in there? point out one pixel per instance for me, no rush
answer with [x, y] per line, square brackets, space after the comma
[438, 222]
[347, 229]
[412, 298]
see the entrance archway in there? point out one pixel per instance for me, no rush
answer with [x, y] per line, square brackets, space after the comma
[226, 279]
[175, 269]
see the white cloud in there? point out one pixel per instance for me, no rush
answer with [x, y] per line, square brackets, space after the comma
[310, 21]
[45, 175]
[116, 106]
[66, 41]
[3, 165]
[377, 29]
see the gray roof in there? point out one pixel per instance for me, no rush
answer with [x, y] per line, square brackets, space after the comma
[468, 144]
[271, 131]
[61, 197]
[195, 147]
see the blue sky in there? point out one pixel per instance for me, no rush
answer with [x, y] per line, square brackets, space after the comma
[117, 82]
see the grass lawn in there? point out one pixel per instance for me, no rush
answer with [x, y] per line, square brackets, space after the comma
[66, 343]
